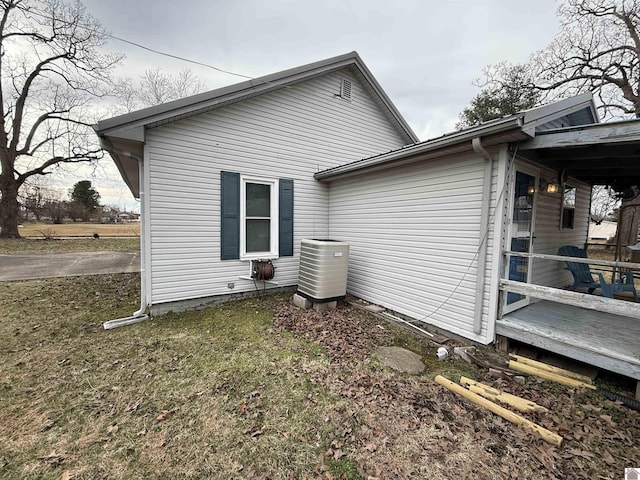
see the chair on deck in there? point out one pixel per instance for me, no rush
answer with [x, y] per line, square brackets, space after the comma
[583, 278]
[609, 288]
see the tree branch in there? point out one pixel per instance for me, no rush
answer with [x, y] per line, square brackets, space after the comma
[24, 94]
[39, 121]
[90, 155]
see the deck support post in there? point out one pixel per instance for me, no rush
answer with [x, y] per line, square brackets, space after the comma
[638, 390]
[502, 344]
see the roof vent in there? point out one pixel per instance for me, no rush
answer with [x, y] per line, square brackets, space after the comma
[345, 89]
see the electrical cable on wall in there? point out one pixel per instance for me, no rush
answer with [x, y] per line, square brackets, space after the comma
[484, 239]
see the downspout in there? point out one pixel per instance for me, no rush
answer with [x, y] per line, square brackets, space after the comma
[476, 143]
[140, 314]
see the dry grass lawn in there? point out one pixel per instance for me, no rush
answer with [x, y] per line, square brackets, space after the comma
[260, 390]
[42, 230]
[10, 246]
[209, 394]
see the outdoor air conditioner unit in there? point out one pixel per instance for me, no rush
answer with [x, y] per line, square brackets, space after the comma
[323, 270]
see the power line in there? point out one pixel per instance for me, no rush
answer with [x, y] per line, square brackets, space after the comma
[144, 47]
[177, 57]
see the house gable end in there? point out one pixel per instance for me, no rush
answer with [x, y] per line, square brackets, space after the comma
[569, 112]
[278, 139]
[133, 126]
[583, 116]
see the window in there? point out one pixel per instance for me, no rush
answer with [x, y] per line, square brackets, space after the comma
[568, 207]
[256, 217]
[259, 218]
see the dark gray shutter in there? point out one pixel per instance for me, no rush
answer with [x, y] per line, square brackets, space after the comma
[230, 216]
[285, 202]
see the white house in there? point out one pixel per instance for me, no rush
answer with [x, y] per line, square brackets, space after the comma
[461, 232]
[226, 176]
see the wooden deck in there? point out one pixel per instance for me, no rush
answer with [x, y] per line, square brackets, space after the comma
[608, 341]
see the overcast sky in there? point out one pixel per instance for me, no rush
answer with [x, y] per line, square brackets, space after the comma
[425, 53]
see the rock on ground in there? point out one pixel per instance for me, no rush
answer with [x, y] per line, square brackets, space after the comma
[400, 359]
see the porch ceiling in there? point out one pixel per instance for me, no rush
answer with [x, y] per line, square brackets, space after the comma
[607, 153]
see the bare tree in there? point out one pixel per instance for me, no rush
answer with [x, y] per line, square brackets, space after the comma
[597, 50]
[56, 210]
[51, 66]
[604, 203]
[155, 87]
[33, 195]
[158, 87]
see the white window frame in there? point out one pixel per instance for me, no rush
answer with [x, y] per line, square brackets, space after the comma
[273, 234]
[562, 208]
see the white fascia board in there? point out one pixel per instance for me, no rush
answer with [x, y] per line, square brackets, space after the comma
[539, 115]
[135, 134]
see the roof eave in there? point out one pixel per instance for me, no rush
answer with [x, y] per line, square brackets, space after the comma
[539, 115]
[196, 102]
[170, 111]
[126, 156]
[503, 125]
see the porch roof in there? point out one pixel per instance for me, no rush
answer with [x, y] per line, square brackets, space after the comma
[599, 154]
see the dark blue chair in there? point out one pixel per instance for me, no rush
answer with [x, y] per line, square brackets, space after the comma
[608, 289]
[582, 276]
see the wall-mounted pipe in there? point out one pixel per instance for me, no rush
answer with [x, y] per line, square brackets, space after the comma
[140, 314]
[476, 143]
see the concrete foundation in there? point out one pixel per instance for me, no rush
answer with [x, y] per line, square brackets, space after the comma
[304, 303]
[321, 307]
[301, 302]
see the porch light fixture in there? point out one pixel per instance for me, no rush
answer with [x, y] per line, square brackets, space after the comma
[549, 187]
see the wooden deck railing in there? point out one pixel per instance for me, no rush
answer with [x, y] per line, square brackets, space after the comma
[590, 261]
[593, 302]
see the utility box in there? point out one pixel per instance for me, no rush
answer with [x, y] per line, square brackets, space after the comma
[322, 276]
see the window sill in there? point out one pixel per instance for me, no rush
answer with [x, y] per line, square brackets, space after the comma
[259, 256]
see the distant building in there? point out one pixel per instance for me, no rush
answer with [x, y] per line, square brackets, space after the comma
[603, 232]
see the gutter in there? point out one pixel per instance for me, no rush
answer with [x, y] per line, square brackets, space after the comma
[476, 144]
[139, 315]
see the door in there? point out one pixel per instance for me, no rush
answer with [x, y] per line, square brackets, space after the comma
[521, 236]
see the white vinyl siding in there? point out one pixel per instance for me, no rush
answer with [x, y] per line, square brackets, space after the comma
[550, 236]
[290, 133]
[414, 232]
